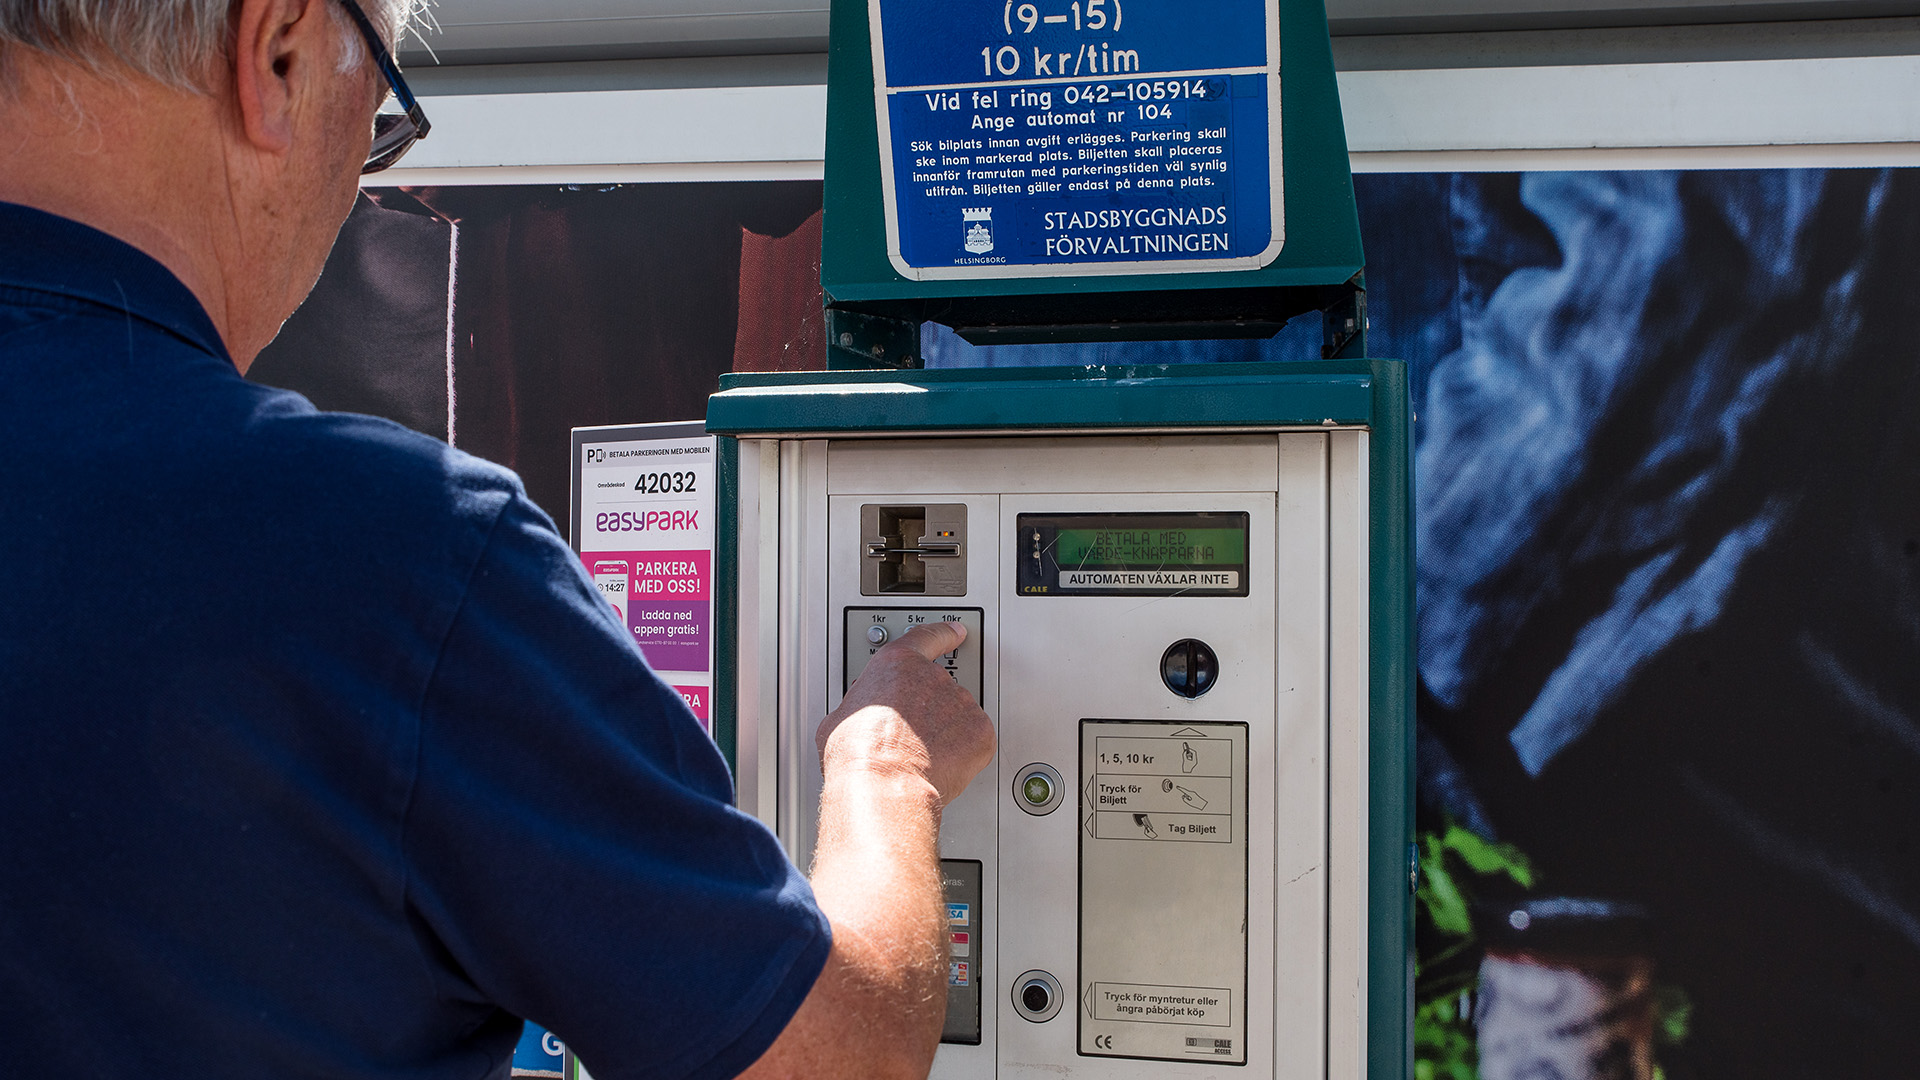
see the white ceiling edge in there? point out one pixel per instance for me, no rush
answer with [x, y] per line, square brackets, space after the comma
[1525, 13]
[625, 127]
[1874, 99]
[522, 30]
[1641, 158]
[670, 172]
[1807, 156]
[1862, 110]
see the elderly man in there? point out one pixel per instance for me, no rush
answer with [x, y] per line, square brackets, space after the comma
[319, 756]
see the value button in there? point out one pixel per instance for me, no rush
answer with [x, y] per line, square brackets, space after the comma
[1036, 789]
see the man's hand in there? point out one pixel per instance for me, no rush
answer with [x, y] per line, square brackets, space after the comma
[905, 716]
[905, 741]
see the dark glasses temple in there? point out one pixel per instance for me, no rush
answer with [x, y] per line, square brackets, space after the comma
[394, 134]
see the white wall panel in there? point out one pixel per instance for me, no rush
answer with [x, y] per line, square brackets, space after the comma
[519, 30]
[494, 31]
[1743, 103]
[625, 127]
[1854, 111]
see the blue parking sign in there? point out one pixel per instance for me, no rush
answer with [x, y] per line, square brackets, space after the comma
[539, 1053]
[1038, 138]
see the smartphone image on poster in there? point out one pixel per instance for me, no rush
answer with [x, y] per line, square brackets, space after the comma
[610, 577]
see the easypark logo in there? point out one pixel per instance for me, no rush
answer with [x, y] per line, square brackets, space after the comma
[647, 521]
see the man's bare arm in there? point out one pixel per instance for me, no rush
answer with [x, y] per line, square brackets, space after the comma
[905, 741]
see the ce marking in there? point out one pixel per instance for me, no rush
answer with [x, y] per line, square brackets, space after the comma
[1103, 1042]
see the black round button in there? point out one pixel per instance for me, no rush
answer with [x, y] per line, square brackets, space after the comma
[1189, 667]
[1036, 997]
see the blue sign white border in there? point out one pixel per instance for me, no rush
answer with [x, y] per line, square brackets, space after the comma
[890, 193]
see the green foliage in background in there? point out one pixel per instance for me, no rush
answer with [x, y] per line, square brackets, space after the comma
[1443, 1046]
[1672, 1019]
[1456, 867]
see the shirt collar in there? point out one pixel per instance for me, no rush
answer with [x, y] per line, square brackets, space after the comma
[48, 253]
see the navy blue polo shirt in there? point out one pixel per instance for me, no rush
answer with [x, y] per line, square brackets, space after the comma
[320, 756]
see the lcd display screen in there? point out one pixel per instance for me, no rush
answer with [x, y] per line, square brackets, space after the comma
[1159, 554]
[1135, 548]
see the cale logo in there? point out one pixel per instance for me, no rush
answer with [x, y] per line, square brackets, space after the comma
[979, 228]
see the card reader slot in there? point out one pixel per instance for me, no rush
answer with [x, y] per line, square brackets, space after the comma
[880, 550]
[915, 549]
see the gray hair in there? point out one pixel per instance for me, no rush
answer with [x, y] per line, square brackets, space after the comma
[175, 42]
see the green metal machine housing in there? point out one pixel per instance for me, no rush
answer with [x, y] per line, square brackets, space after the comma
[1304, 396]
[875, 390]
[874, 313]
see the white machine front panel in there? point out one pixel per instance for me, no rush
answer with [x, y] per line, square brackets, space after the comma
[1069, 659]
[969, 829]
[1147, 932]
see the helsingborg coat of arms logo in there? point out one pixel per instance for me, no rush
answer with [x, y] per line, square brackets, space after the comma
[979, 225]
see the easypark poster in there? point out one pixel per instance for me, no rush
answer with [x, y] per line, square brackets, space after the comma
[644, 530]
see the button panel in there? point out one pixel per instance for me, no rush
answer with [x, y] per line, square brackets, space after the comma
[868, 630]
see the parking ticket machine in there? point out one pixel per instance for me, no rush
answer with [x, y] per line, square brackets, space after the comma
[1187, 589]
[1186, 596]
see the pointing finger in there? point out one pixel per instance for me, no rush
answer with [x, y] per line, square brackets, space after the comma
[934, 640]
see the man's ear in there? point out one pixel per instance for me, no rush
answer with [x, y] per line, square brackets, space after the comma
[277, 45]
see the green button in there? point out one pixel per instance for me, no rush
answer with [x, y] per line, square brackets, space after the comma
[1038, 790]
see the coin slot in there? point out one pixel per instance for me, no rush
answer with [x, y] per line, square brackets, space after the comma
[1189, 667]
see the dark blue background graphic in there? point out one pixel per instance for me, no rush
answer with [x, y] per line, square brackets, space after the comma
[1667, 444]
[1667, 439]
